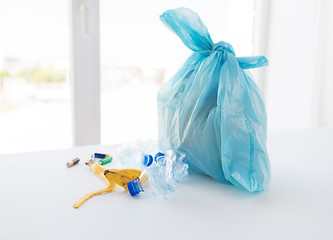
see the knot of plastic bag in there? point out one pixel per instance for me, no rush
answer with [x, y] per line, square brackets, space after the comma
[223, 46]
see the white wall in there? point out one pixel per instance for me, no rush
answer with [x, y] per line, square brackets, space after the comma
[299, 72]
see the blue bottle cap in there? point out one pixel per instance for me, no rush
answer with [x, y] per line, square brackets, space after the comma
[158, 155]
[147, 160]
[184, 160]
[134, 187]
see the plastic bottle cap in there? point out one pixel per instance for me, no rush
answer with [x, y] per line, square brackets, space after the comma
[147, 160]
[134, 187]
[159, 154]
[160, 158]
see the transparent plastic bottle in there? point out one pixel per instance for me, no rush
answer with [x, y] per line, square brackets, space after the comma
[163, 173]
[132, 156]
[179, 165]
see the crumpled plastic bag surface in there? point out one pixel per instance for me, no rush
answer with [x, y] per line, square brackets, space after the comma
[212, 110]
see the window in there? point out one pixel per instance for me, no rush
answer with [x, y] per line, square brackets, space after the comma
[135, 53]
[34, 62]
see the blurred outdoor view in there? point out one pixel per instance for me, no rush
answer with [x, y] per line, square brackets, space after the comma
[34, 63]
[138, 55]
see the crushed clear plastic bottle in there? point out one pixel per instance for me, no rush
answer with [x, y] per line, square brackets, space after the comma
[132, 156]
[163, 174]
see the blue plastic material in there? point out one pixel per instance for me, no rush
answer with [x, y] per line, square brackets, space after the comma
[147, 160]
[160, 158]
[158, 155]
[134, 187]
[212, 110]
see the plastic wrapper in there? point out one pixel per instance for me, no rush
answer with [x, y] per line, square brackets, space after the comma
[212, 109]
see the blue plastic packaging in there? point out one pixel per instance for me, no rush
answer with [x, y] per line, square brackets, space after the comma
[212, 110]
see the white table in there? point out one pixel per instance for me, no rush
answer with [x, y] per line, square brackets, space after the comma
[37, 192]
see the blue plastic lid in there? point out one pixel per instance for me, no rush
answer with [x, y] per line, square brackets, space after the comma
[160, 159]
[134, 187]
[159, 154]
[147, 160]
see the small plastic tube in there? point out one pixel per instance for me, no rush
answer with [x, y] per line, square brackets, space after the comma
[105, 160]
[72, 162]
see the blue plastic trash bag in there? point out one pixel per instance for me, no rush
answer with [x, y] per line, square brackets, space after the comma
[212, 110]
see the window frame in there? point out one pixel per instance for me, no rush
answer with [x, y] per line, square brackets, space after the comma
[85, 72]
